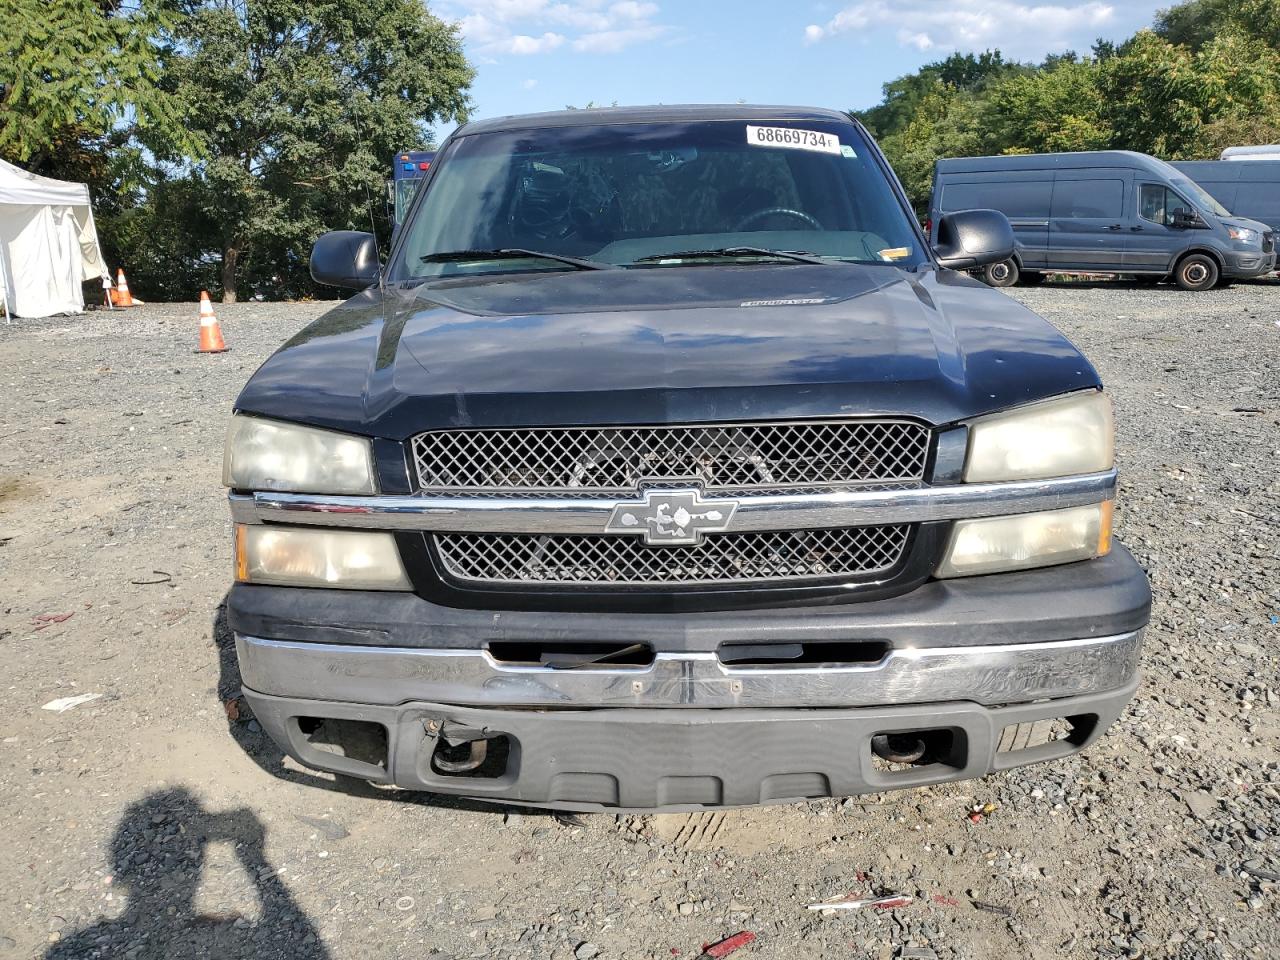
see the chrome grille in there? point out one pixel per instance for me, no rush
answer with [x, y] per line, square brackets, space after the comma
[792, 555]
[739, 457]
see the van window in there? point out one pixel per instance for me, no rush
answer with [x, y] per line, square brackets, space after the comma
[1159, 204]
[1080, 199]
[1020, 198]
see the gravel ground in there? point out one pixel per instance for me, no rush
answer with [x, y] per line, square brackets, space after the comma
[144, 824]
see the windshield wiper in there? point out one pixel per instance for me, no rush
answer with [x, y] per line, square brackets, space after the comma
[795, 255]
[504, 253]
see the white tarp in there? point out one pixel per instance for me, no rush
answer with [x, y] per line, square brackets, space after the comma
[48, 243]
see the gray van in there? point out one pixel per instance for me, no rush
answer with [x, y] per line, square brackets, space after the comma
[1109, 211]
[1246, 188]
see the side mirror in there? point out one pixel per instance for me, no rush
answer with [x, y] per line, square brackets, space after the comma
[973, 238]
[345, 258]
[1186, 220]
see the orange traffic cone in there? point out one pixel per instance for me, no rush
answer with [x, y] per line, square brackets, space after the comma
[122, 297]
[210, 332]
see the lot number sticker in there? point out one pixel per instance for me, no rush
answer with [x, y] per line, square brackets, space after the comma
[790, 138]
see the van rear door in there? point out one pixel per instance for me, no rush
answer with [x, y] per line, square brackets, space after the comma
[1086, 219]
[1022, 197]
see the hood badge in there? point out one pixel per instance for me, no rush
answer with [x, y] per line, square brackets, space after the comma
[672, 518]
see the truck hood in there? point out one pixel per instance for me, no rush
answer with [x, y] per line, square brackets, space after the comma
[666, 345]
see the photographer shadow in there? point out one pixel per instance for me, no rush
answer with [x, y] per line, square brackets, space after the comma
[158, 853]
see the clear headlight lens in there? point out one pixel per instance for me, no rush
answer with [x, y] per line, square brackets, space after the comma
[271, 455]
[304, 557]
[1056, 438]
[1244, 234]
[995, 544]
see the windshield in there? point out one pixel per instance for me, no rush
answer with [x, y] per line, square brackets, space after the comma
[636, 195]
[1198, 195]
[405, 189]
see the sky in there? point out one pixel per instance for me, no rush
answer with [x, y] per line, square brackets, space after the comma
[533, 55]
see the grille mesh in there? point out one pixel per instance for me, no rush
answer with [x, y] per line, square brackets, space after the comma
[740, 457]
[725, 558]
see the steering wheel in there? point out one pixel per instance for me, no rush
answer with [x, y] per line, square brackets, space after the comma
[800, 215]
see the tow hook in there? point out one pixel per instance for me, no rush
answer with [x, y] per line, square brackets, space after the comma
[458, 749]
[898, 747]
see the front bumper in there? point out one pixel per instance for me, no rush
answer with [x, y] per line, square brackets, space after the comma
[988, 675]
[967, 660]
[662, 759]
[1244, 266]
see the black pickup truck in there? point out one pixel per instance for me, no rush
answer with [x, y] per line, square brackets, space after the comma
[665, 465]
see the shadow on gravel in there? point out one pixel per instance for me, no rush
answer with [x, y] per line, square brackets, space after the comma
[157, 856]
[262, 750]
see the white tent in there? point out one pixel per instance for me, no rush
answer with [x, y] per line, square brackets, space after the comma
[48, 244]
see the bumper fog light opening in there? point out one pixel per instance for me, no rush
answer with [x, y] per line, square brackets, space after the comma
[363, 741]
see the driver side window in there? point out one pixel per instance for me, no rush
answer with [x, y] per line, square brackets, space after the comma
[1161, 205]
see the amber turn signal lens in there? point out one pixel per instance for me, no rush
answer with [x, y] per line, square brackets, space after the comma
[242, 558]
[1104, 528]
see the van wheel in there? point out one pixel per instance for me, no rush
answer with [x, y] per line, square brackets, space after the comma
[1197, 272]
[1002, 274]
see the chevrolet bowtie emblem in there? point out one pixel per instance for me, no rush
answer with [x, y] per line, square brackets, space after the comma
[672, 517]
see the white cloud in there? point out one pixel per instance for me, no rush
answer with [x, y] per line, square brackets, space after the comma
[921, 41]
[611, 41]
[523, 45]
[529, 84]
[1019, 30]
[495, 27]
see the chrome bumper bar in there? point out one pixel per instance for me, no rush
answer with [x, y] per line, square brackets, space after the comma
[577, 515]
[988, 675]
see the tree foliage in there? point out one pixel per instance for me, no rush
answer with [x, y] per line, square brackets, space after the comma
[78, 79]
[299, 106]
[903, 97]
[1050, 110]
[1207, 76]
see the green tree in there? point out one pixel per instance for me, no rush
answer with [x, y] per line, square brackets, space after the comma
[903, 97]
[1153, 97]
[162, 238]
[78, 78]
[1258, 20]
[1195, 23]
[1166, 100]
[299, 106]
[946, 123]
[1049, 110]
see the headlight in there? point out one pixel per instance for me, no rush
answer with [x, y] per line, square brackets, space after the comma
[1244, 234]
[304, 557]
[1056, 438]
[270, 455]
[1027, 540]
